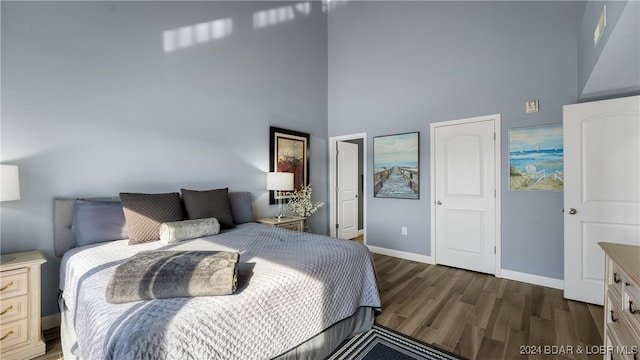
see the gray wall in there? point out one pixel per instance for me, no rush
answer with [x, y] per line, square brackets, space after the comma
[92, 105]
[612, 67]
[397, 67]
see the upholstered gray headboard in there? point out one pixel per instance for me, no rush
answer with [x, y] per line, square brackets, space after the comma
[64, 237]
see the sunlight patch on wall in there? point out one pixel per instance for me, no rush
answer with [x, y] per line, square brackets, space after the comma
[264, 18]
[191, 35]
[330, 5]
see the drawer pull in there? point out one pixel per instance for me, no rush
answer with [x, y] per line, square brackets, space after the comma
[616, 279]
[7, 335]
[612, 318]
[631, 309]
[11, 307]
[7, 286]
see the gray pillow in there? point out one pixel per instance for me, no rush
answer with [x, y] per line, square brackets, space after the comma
[176, 231]
[209, 204]
[146, 212]
[98, 221]
[241, 207]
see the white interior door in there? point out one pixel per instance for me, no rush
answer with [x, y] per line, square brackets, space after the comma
[347, 192]
[465, 195]
[602, 189]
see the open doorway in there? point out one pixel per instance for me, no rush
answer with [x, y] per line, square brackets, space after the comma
[347, 195]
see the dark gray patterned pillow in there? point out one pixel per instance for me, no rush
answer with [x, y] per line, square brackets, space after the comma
[208, 204]
[146, 212]
[241, 207]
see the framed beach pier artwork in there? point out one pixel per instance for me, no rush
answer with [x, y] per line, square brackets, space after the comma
[396, 166]
[536, 158]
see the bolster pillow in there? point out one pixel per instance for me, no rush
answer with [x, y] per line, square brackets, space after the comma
[171, 232]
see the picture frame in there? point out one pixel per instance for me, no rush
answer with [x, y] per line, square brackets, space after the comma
[396, 166]
[536, 158]
[289, 152]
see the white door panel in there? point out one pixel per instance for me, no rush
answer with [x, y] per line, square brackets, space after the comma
[347, 180]
[465, 204]
[602, 189]
[467, 238]
[463, 166]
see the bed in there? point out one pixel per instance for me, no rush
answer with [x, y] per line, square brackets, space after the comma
[299, 295]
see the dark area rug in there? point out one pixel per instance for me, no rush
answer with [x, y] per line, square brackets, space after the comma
[381, 343]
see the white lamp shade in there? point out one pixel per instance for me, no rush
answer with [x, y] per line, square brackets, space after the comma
[9, 183]
[279, 181]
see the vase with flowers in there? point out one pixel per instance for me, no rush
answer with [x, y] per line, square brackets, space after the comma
[300, 203]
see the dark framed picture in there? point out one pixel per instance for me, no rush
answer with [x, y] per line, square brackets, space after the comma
[289, 152]
[396, 166]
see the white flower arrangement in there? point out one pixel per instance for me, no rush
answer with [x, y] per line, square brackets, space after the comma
[300, 202]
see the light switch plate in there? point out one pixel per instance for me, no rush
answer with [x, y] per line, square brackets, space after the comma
[531, 106]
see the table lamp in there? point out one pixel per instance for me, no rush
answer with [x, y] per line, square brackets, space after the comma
[9, 190]
[279, 181]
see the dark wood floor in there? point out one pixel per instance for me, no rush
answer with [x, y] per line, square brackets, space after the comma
[474, 315]
[480, 316]
[54, 348]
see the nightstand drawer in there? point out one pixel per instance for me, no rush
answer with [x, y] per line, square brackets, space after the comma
[631, 310]
[13, 333]
[631, 290]
[14, 308]
[290, 226]
[614, 279]
[295, 223]
[13, 283]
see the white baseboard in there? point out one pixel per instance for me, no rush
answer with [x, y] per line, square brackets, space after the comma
[402, 254]
[532, 279]
[50, 321]
[503, 273]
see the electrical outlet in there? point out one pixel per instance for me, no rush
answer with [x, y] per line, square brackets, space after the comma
[404, 230]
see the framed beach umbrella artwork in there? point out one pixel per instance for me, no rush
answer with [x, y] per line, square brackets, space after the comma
[536, 158]
[396, 166]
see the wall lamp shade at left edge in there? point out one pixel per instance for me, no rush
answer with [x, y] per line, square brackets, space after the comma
[9, 183]
[9, 190]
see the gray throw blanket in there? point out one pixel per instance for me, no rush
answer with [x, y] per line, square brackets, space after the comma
[158, 274]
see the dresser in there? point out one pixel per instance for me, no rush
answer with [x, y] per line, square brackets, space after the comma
[622, 301]
[20, 332]
[295, 223]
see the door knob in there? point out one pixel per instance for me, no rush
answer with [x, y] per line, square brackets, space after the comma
[439, 202]
[573, 211]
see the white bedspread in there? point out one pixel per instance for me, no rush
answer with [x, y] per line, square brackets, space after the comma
[291, 286]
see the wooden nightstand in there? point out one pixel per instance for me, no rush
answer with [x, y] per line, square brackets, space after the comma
[295, 223]
[20, 333]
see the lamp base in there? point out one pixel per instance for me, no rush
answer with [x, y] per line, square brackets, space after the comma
[280, 214]
[6, 258]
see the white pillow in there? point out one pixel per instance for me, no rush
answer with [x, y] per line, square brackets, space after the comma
[171, 232]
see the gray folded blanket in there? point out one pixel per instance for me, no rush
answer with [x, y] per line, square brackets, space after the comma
[158, 274]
